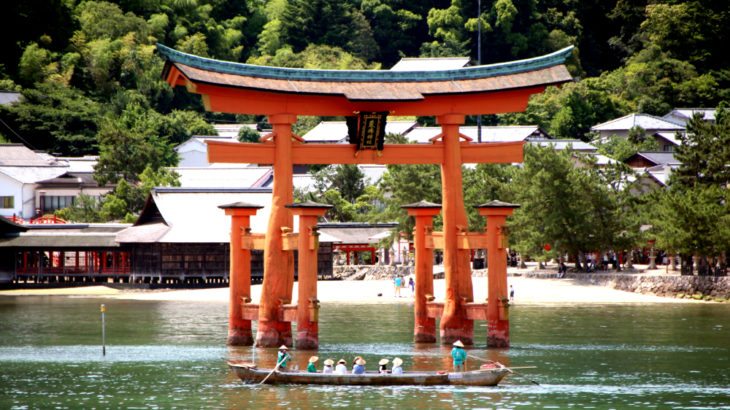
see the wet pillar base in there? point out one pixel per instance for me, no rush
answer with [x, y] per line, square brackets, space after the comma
[498, 334]
[308, 340]
[425, 331]
[273, 334]
[240, 337]
[449, 336]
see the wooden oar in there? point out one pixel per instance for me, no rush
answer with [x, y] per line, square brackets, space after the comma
[272, 372]
[510, 369]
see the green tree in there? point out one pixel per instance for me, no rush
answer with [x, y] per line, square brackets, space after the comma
[705, 151]
[561, 205]
[130, 143]
[55, 117]
[246, 134]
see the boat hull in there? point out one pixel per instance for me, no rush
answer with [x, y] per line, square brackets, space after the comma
[250, 374]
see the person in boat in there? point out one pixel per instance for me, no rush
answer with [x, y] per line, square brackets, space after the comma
[397, 363]
[359, 367]
[283, 357]
[383, 366]
[311, 368]
[341, 367]
[328, 369]
[459, 355]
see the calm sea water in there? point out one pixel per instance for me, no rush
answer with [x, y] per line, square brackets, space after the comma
[173, 354]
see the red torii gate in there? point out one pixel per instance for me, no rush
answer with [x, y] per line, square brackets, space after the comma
[284, 93]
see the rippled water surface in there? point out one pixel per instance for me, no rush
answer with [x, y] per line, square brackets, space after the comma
[173, 354]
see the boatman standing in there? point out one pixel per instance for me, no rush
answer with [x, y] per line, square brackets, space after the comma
[459, 355]
[283, 357]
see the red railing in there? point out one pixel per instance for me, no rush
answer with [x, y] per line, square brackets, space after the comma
[41, 220]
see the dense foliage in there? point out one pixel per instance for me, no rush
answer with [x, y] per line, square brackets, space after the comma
[92, 84]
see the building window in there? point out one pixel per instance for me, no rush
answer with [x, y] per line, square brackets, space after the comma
[7, 202]
[669, 148]
[52, 203]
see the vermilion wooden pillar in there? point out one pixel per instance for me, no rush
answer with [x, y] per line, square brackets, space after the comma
[457, 272]
[278, 263]
[498, 295]
[307, 303]
[424, 330]
[239, 276]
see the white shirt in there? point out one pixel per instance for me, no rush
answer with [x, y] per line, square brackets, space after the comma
[327, 369]
[341, 369]
[397, 370]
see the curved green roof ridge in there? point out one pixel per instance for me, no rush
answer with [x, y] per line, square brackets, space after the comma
[284, 73]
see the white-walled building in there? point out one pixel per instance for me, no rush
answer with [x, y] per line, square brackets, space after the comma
[20, 171]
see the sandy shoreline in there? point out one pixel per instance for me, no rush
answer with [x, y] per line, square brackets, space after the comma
[527, 291]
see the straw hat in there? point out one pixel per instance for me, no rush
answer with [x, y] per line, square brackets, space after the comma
[341, 361]
[313, 359]
[283, 347]
[329, 362]
[458, 343]
[361, 361]
[397, 361]
[383, 362]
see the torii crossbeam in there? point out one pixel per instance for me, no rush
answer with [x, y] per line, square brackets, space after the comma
[284, 93]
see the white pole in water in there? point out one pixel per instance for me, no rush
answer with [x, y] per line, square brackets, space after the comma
[103, 330]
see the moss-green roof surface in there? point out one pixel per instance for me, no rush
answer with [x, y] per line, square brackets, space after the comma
[298, 74]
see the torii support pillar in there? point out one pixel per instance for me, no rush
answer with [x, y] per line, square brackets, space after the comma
[457, 272]
[239, 276]
[423, 212]
[308, 244]
[278, 263]
[496, 213]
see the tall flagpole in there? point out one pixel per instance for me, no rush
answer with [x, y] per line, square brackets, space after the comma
[479, 61]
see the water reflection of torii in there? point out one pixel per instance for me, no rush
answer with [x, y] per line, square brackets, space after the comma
[282, 94]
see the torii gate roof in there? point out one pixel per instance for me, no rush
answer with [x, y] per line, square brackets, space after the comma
[251, 89]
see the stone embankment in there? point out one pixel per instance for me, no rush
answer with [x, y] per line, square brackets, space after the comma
[710, 288]
[370, 272]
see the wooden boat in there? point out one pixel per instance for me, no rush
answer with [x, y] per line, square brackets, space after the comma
[249, 373]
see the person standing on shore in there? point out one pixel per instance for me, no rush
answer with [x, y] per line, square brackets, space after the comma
[412, 285]
[398, 285]
[459, 355]
[511, 294]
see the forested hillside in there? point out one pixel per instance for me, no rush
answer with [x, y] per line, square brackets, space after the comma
[91, 83]
[91, 78]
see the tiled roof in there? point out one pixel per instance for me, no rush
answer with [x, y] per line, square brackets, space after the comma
[430, 64]
[193, 216]
[645, 121]
[336, 131]
[21, 156]
[373, 85]
[9, 97]
[680, 116]
[506, 133]
[659, 158]
[355, 233]
[560, 145]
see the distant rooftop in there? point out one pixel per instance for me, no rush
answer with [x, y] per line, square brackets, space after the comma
[18, 155]
[657, 158]
[231, 130]
[336, 131]
[560, 145]
[506, 133]
[430, 64]
[9, 97]
[645, 121]
[680, 116]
